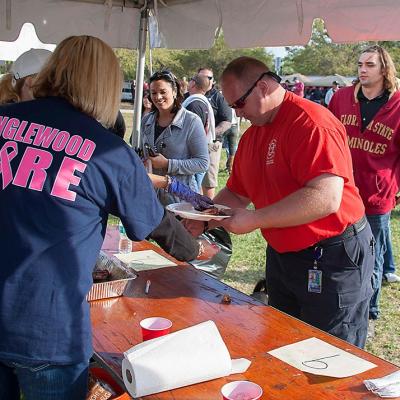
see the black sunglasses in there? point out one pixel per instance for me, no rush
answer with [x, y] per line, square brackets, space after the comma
[241, 101]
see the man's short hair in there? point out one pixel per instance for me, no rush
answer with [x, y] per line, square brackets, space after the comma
[335, 83]
[245, 69]
[201, 82]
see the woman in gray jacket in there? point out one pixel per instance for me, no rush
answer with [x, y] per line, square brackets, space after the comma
[172, 138]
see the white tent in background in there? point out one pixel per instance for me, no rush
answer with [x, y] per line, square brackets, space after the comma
[313, 80]
[327, 80]
[194, 23]
[10, 51]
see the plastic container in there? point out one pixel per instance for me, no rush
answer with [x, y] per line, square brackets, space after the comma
[119, 278]
[104, 376]
[241, 390]
[125, 244]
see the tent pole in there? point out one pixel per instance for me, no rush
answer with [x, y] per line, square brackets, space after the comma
[150, 61]
[137, 108]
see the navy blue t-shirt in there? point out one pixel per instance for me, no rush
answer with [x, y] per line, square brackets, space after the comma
[61, 175]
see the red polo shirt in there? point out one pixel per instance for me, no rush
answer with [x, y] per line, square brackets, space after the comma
[304, 141]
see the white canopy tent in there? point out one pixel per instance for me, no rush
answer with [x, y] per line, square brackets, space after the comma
[194, 23]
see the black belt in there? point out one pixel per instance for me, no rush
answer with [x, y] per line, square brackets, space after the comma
[351, 230]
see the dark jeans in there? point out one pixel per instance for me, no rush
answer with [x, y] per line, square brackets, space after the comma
[380, 229]
[341, 308]
[389, 266]
[231, 137]
[38, 381]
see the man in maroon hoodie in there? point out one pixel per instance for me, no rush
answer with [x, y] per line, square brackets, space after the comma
[370, 112]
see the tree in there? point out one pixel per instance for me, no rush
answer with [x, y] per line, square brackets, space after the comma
[185, 63]
[218, 57]
[321, 56]
[128, 61]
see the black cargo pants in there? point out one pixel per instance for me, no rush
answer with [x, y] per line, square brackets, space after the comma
[342, 307]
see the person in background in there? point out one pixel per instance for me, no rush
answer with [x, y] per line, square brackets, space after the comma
[316, 95]
[298, 87]
[146, 103]
[331, 92]
[370, 112]
[293, 164]
[133, 90]
[389, 267]
[231, 139]
[170, 184]
[63, 173]
[223, 118]
[184, 86]
[172, 138]
[16, 86]
[286, 84]
[197, 103]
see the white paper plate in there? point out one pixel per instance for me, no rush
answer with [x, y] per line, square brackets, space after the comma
[186, 210]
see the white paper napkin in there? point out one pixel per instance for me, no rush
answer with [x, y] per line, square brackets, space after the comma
[320, 358]
[388, 386]
[182, 358]
[144, 260]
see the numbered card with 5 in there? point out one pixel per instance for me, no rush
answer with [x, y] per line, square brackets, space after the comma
[320, 358]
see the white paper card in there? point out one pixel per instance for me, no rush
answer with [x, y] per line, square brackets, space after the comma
[320, 358]
[144, 260]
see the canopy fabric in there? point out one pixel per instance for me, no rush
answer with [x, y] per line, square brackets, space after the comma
[54, 20]
[327, 80]
[193, 23]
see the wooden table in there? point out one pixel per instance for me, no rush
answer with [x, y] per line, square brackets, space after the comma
[187, 297]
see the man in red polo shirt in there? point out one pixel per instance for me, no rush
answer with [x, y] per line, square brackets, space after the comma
[294, 165]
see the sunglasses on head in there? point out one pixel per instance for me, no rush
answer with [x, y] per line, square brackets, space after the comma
[164, 74]
[241, 101]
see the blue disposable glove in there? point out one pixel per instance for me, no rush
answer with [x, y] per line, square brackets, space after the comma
[198, 201]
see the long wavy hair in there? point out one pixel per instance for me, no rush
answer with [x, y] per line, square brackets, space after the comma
[168, 76]
[388, 68]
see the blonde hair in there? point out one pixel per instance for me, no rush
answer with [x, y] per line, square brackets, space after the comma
[85, 71]
[9, 92]
[388, 68]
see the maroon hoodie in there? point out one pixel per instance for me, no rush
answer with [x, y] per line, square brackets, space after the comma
[376, 151]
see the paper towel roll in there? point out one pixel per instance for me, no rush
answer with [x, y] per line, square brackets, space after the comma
[182, 358]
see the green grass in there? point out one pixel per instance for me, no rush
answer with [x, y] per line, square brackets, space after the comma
[247, 265]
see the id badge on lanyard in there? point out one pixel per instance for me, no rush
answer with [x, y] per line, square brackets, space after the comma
[315, 275]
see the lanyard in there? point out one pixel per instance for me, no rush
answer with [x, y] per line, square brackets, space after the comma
[318, 251]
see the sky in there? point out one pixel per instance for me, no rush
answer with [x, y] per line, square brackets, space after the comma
[277, 51]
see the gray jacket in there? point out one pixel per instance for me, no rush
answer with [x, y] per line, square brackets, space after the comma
[183, 143]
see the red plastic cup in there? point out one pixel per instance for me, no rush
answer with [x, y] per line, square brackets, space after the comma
[155, 327]
[241, 390]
